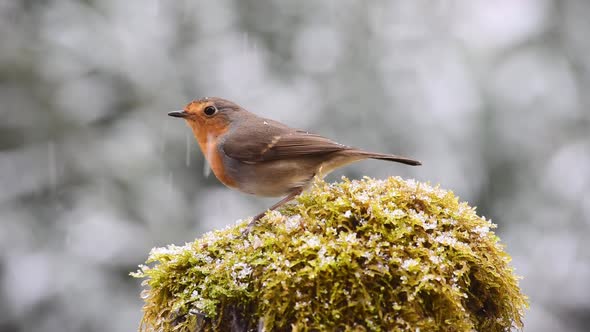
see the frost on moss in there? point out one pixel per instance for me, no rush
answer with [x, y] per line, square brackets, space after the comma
[375, 255]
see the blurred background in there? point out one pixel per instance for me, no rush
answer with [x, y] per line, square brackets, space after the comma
[492, 96]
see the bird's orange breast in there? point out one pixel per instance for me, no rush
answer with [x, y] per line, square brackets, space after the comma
[209, 143]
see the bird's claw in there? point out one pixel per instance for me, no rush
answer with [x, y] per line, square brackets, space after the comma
[246, 231]
[251, 225]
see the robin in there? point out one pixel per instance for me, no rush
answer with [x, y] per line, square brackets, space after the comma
[264, 157]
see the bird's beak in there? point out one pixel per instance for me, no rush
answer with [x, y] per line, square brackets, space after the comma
[178, 114]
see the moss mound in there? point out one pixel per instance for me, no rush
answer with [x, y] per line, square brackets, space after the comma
[375, 255]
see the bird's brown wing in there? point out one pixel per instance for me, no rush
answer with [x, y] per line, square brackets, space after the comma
[274, 141]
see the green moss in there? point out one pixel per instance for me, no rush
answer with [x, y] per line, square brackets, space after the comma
[378, 255]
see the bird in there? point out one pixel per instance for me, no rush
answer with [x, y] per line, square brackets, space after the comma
[264, 157]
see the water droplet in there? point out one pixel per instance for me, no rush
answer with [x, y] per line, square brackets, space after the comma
[144, 294]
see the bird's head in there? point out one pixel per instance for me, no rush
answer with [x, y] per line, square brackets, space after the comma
[209, 116]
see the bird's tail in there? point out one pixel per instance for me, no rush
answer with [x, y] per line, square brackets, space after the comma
[389, 157]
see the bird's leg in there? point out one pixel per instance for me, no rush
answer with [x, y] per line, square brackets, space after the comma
[289, 197]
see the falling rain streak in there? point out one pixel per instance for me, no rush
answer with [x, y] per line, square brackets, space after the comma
[206, 166]
[188, 150]
[102, 189]
[206, 169]
[51, 166]
[170, 181]
[248, 44]
[156, 8]
[164, 134]
[245, 41]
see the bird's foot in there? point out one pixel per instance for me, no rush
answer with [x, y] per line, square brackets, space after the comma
[251, 224]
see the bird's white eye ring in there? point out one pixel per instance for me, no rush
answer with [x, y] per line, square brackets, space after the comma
[210, 110]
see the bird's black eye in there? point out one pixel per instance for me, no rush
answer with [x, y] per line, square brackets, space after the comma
[210, 110]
